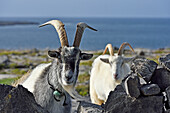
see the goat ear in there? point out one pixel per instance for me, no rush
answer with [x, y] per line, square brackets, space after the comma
[105, 60]
[85, 56]
[53, 54]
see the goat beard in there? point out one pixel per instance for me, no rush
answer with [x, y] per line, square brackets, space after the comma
[73, 93]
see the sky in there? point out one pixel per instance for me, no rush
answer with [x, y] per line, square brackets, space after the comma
[85, 8]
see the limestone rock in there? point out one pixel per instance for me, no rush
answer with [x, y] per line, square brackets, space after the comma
[150, 89]
[162, 78]
[20, 100]
[119, 102]
[165, 61]
[167, 91]
[4, 59]
[131, 85]
[85, 107]
[4, 90]
[167, 111]
[144, 68]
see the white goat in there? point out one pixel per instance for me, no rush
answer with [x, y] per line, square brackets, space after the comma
[107, 72]
[52, 84]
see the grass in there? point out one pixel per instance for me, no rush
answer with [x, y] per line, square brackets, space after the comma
[8, 81]
[11, 52]
[2, 66]
[98, 53]
[155, 59]
[83, 90]
[159, 51]
[15, 71]
[12, 65]
[83, 77]
[18, 72]
[87, 63]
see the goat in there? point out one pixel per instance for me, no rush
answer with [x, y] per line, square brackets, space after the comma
[107, 72]
[53, 84]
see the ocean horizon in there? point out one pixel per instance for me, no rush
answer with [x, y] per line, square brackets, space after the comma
[151, 33]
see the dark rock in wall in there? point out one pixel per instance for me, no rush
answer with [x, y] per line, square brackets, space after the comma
[162, 78]
[4, 90]
[150, 89]
[131, 85]
[167, 111]
[167, 91]
[165, 61]
[144, 68]
[85, 107]
[20, 100]
[118, 102]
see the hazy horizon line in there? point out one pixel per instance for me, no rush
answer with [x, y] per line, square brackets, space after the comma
[84, 16]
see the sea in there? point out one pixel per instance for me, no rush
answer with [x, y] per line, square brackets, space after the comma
[151, 33]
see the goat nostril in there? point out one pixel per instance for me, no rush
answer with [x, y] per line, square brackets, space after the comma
[115, 75]
[68, 77]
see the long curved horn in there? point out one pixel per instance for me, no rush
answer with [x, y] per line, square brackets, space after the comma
[109, 46]
[59, 26]
[79, 32]
[122, 47]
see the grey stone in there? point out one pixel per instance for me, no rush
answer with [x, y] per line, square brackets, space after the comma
[150, 89]
[20, 100]
[131, 85]
[165, 61]
[85, 107]
[167, 111]
[167, 91]
[4, 59]
[4, 90]
[142, 53]
[161, 77]
[119, 102]
[142, 81]
[144, 68]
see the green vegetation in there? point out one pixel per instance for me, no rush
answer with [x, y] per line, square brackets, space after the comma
[83, 77]
[83, 90]
[43, 56]
[2, 66]
[11, 52]
[15, 71]
[87, 63]
[98, 53]
[33, 54]
[159, 51]
[12, 65]
[155, 59]
[18, 72]
[8, 81]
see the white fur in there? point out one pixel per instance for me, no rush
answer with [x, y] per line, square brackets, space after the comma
[35, 74]
[102, 80]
